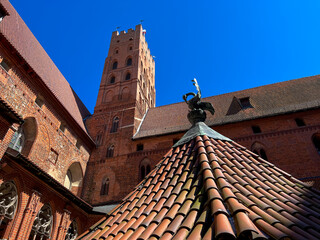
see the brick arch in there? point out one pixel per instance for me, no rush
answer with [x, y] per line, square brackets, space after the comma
[108, 96]
[125, 92]
[41, 148]
[74, 177]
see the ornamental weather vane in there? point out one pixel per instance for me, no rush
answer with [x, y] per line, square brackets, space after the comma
[197, 108]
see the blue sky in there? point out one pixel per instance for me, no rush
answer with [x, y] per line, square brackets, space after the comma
[226, 45]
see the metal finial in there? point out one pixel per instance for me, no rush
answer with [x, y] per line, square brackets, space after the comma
[117, 28]
[197, 108]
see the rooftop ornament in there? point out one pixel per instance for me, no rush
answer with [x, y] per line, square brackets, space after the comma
[197, 108]
[197, 116]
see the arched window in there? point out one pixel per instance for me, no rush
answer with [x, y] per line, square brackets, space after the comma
[128, 76]
[105, 187]
[115, 125]
[110, 151]
[42, 224]
[129, 62]
[115, 65]
[112, 79]
[74, 176]
[72, 232]
[8, 205]
[316, 141]
[144, 168]
[17, 140]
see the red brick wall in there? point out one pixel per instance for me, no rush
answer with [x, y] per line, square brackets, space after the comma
[17, 88]
[30, 188]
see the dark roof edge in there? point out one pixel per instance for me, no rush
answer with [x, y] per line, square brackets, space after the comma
[226, 122]
[45, 177]
[10, 113]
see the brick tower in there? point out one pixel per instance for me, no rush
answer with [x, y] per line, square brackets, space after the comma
[127, 91]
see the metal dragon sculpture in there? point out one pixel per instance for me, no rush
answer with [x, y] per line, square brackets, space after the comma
[197, 108]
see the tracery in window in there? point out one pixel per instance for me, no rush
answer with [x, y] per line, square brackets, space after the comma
[8, 204]
[72, 232]
[42, 224]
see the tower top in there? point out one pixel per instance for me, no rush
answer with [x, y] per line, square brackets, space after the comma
[138, 31]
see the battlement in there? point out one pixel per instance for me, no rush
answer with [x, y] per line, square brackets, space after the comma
[128, 35]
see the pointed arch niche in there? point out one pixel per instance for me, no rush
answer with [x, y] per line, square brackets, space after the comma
[259, 149]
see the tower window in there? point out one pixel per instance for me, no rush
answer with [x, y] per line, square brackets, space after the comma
[129, 62]
[113, 79]
[316, 142]
[256, 129]
[110, 151]
[115, 125]
[128, 76]
[130, 39]
[139, 147]
[130, 48]
[117, 51]
[115, 65]
[105, 187]
[300, 122]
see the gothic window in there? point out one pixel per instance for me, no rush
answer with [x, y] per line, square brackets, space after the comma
[99, 138]
[115, 125]
[128, 76]
[129, 62]
[316, 141]
[110, 151]
[113, 79]
[144, 168]
[42, 224]
[8, 204]
[115, 65]
[72, 232]
[17, 140]
[105, 187]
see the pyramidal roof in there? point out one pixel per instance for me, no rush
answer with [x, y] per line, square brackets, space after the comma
[210, 187]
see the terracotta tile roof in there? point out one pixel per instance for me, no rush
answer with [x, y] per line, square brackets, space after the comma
[279, 98]
[16, 32]
[214, 189]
